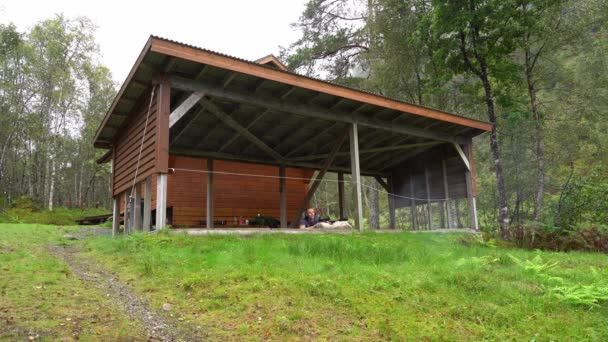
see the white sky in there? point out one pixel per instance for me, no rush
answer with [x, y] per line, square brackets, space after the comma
[245, 29]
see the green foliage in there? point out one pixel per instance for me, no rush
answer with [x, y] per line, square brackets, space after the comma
[26, 203]
[58, 216]
[589, 295]
[585, 199]
[535, 265]
[593, 295]
[583, 237]
[53, 94]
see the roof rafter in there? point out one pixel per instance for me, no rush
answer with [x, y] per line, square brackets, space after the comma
[307, 110]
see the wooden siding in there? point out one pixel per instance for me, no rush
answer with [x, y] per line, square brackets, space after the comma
[235, 195]
[414, 169]
[127, 146]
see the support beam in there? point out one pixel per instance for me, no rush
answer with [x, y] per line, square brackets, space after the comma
[446, 191]
[184, 107]
[382, 183]
[115, 215]
[209, 193]
[428, 196]
[391, 204]
[341, 194]
[147, 204]
[470, 190]
[315, 184]
[240, 129]
[356, 175]
[137, 223]
[127, 219]
[227, 156]
[306, 109]
[186, 125]
[370, 150]
[161, 201]
[464, 158]
[471, 198]
[283, 199]
[237, 135]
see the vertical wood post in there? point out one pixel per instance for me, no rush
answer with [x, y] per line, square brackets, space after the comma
[127, 218]
[115, 215]
[391, 203]
[457, 209]
[446, 191]
[137, 224]
[413, 201]
[341, 194]
[209, 193]
[470, 187]
[472, 206]
[147, 204]
[161, 201]
[356, 176]
[471, 197]
[428, 196]
[283, 194]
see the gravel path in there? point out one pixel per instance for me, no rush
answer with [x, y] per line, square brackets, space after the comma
[158, 325]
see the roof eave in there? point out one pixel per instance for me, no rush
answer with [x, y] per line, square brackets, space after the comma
[103, 144]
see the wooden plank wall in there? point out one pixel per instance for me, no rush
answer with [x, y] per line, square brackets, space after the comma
[126, 147]
[235, 196]
[432, 160]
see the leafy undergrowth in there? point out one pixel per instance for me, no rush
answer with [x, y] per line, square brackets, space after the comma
[364, 286]
[59, 216]
[584, 237]
[41, 299]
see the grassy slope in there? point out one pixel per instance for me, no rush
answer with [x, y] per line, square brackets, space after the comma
[393, 286]
[39, 296]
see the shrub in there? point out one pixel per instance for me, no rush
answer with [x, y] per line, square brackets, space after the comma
[585, 199]
[584, 237]
[26, 203]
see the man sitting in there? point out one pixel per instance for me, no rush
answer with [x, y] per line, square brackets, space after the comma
[312, 220]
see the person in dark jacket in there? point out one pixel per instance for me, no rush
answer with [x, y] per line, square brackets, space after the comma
[310, 220]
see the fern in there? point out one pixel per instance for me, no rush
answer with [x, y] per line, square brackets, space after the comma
[535, 265]
[588, 295]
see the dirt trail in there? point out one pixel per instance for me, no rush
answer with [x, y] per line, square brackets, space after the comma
[157, 324]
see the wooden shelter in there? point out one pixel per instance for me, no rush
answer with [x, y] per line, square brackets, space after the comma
[191, 123]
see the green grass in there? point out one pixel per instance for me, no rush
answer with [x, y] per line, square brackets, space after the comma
[42, 299]
[365, 286]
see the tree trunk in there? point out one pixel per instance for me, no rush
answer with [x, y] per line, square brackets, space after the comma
[539, 136]
[503, 210]
[52, 184]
